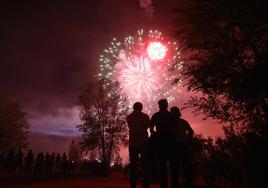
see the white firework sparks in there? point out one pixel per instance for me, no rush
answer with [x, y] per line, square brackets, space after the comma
[142, 64]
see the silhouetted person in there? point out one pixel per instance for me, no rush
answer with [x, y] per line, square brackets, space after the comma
[64, 163]
[58, 163]
[164, 122]
[28, 161]
[39, 163]
[184, 134]
[152, 153]
[10, 161]
[47, 158]
[19, 160]
[51, 162]
[138, 123]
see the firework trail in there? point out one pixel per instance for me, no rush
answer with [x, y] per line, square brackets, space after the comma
[142, 65]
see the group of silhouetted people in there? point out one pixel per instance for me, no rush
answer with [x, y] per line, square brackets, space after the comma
[48, 163]
[168, 142]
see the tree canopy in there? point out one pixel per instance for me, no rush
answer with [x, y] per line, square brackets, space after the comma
[226, 43]
[103, 115]
[13, 125]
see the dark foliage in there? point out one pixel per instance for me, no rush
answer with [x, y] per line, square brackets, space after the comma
[103, 114]
[227, 47]
[226, 43]
[13, 125]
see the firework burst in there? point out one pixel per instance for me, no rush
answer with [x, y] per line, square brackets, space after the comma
[142, 64]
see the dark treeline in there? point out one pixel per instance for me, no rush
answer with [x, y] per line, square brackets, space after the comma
[237, 160]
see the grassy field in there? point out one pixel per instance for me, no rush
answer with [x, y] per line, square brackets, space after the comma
[113, 181]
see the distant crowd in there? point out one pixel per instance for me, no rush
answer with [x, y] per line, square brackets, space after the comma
[49, 163]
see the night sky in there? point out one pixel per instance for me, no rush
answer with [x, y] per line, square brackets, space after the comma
[49, 52]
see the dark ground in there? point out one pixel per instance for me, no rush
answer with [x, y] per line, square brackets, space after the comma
[114, 181]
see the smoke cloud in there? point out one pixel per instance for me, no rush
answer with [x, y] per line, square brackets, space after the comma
[147, 5]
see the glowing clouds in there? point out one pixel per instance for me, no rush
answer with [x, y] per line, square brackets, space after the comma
[156, 51]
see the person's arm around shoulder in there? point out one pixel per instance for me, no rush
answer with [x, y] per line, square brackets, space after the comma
[148, 124]
[152, 124]
[189, 129]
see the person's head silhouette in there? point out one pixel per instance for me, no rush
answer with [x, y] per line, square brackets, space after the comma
[163, 104]
[137, 107]
[175, 111]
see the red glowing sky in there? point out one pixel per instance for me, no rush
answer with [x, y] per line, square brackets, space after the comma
[50, 50]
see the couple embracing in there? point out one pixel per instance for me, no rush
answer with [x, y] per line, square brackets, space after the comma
[172, 135]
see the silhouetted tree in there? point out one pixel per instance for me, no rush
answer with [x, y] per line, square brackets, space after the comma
[103, 114]
[226, 43]
[226, 47]
[13, 125]
[201, 149]
[240, 159]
